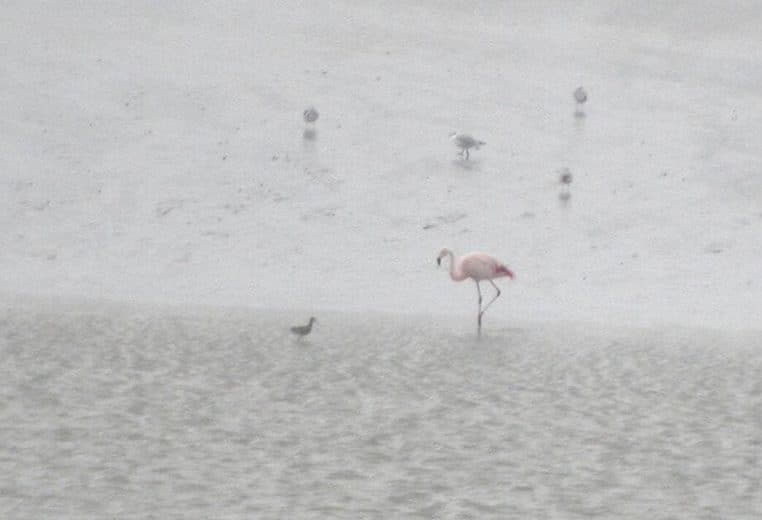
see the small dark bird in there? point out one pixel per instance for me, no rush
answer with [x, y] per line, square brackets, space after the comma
[311, 115]
[303, 330]
[565, 177]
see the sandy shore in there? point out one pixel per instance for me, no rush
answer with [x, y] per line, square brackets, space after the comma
[132, 410]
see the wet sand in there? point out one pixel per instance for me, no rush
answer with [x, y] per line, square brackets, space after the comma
[140, 412]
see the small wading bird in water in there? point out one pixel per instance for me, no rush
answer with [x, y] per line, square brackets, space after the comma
[303, 330]
[478, 267]
[465, 142]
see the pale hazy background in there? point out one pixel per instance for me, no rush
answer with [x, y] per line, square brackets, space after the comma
[164, 221]
[154, 152]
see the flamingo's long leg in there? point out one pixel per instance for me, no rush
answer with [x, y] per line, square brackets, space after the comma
[497, 295]
[479, 315]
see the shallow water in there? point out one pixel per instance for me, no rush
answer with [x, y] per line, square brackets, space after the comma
[140, 413]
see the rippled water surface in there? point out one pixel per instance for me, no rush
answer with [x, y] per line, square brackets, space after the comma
[135, 413]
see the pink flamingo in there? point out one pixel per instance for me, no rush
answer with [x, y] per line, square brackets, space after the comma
[478, 267]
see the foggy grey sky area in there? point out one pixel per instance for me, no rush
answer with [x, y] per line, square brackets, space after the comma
[186, 186]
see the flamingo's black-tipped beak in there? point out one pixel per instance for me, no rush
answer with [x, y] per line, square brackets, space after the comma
[439, 261]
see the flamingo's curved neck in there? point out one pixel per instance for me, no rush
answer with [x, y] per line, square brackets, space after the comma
[456, 273]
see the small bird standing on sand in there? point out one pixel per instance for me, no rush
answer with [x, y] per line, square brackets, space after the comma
[565, 179]
[311, 115]
[465, 142]
[478, 267]
[580, 96]
[303, 330]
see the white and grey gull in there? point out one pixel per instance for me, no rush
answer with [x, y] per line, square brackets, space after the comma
[311, 115]
[465, 142]
[580, 96]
